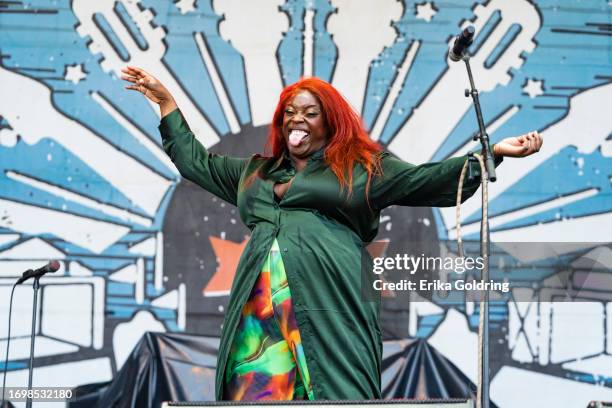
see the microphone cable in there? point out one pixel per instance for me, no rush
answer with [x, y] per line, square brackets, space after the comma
[484, 233]
[485, 200]
[8, 343]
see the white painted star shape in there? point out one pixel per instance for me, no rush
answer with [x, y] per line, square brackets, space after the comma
[534, 87]
[75, 73]
[185, 6]
[426, 11]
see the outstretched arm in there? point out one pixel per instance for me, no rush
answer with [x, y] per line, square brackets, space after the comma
[217, 174]
[435, 184]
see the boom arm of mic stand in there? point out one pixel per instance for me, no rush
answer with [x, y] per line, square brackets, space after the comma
[482, 132]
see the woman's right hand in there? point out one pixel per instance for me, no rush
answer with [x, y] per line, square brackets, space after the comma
[150, 87]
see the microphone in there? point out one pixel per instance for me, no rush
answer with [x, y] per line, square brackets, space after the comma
[462, 42]
[52, 266]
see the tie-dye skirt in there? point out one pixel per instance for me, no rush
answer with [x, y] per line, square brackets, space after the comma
[266, 360]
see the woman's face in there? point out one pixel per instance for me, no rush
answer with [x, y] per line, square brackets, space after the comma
[304, 127]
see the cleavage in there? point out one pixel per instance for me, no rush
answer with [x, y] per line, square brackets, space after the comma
[280, 189]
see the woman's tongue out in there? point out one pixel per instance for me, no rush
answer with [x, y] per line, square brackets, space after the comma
[296, 137]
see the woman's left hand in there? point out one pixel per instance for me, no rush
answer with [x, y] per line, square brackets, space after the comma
[519, 146]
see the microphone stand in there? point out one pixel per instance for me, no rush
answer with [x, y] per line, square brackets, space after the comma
[482, 132]
[35, 286]
[485, 242]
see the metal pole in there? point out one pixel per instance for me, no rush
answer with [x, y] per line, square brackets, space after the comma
[35, 286]
[485, 243]
[483, 136]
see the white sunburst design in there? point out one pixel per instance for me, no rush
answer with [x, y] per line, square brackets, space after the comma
[36, 118]
[394, 90]
[114, 211]
[357, 48]
[309, 39]
[586, 117]
[445, 93]
[224, 100]
[242, 27]
[150, 59]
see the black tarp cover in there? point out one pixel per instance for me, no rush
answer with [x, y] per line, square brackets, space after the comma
[162, 367]
[414, 369]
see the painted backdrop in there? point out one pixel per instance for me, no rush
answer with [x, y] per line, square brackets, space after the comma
[83, 178]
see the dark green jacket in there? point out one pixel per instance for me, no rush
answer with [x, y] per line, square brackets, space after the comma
[321, 234]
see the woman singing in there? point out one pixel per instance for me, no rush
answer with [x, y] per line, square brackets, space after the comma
[297, 326]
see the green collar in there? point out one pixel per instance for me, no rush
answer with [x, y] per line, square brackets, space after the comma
[318, 155]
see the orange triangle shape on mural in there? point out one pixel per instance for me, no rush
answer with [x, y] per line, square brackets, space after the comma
[228, 255]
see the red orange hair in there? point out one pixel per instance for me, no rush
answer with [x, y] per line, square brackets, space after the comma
[348, 144]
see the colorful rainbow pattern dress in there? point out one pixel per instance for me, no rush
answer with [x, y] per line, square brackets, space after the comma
[266, 360]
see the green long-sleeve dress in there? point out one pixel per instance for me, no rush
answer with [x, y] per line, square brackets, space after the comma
[321, 235]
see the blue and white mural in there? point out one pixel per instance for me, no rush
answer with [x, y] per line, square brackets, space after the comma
[83, 178]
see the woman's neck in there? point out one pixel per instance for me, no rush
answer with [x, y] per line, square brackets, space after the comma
[299, 163]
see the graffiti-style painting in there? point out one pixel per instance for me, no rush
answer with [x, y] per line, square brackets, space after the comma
[84, 179]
